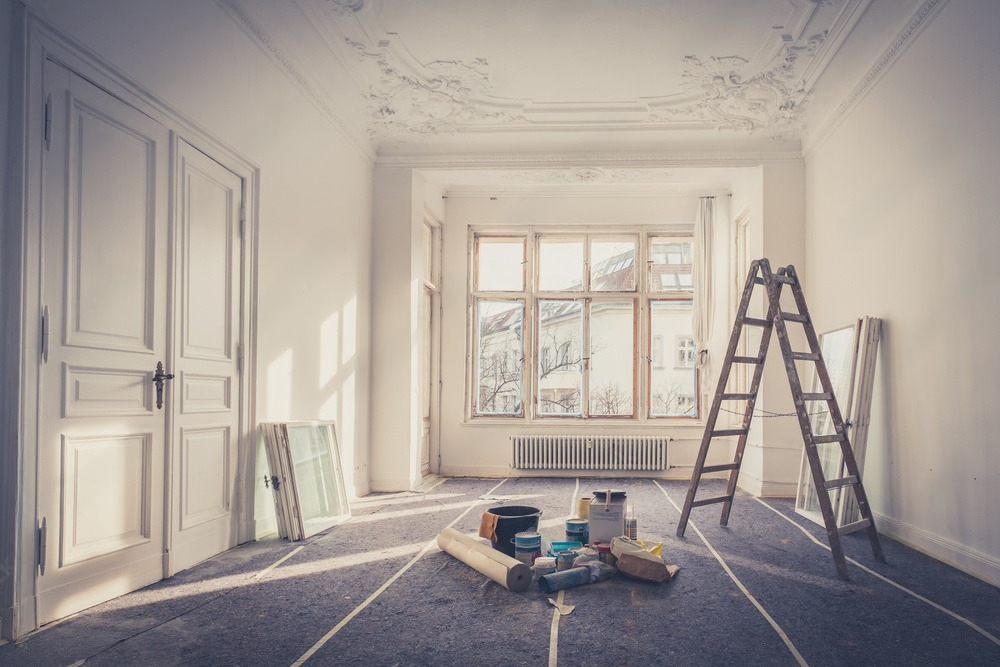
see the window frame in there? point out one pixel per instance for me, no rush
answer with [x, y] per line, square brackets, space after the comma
[640, 295]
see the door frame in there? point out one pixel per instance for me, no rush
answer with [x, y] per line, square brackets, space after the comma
[35, 41]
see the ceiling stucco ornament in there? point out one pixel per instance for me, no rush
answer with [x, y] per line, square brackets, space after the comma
[728, 98]
[344, 7]
[437, 97]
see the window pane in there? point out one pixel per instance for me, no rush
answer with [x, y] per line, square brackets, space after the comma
[612, 265]
[560, 368]
[673, 385]
[560, 265]
[670, 265]
[499, 359]
[501, 264]
[612, 354]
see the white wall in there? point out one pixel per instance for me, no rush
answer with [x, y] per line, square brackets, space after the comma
[315, 198]
[901, 225]
[482, 446]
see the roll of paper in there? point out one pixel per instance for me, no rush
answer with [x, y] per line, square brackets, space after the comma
[510, 573]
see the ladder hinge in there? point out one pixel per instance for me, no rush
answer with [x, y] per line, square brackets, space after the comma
[44, 348]
[42, 536]
[48, 122]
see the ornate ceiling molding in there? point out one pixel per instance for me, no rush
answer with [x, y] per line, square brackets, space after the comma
[440, 97]
[729, 98]
[409, 99]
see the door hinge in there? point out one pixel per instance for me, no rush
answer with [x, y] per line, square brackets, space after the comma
[239, 357]
[48, 122]
[42, 537]
[243, 218]
[44, 348]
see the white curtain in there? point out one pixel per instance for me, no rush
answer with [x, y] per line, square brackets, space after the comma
[704, 302]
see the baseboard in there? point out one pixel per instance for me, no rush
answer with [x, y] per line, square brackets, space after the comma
[970, 561]
[778, 489]
[389, 485]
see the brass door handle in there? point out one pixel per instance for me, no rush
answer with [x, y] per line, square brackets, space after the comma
[158, 377]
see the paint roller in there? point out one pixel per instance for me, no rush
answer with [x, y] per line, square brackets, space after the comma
[510, 573]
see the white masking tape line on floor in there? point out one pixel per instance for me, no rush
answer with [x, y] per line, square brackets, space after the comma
[278, 562]
[554, 632]
[381, 589]
[774, 624]
[887, 580]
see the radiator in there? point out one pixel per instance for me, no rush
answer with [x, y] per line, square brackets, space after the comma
[589, 452]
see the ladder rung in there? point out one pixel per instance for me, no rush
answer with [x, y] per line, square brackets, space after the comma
[720, 467]
[780, 278]
[843, 481]
[756, 321]
[805, 356]
[817, 397]
[795, 317]
[851, 527]
[737, 397]
[746, 360]
[758, 280]
[709, 501]
[731, 431]
[821, 439]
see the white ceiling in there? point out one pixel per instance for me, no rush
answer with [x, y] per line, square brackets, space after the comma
[577, 77]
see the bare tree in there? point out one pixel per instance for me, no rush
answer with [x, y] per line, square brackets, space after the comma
[610, 399]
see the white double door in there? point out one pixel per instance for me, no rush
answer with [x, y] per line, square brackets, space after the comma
[141, 265]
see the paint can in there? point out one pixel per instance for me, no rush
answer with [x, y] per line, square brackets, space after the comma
[564, 560]
[578, 530]
[527, 546]
[583, 507]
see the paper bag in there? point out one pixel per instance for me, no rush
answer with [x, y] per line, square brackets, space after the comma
[635, 561]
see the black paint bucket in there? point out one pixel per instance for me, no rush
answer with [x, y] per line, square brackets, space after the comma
[513, 519]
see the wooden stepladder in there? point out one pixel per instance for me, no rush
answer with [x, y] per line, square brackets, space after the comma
[773, 282]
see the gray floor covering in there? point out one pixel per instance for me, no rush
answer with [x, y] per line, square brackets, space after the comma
[439, 611]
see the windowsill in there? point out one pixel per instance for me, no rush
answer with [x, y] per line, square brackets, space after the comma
[583, 424]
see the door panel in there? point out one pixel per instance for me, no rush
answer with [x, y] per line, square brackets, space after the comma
[205, 443]
[101, 440]
[111, 229]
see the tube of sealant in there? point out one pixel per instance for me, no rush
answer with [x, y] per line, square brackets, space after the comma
[556, 581]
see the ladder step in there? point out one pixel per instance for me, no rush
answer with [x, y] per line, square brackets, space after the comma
[737, 397]
[759, 280]
[795, 317]
[720, 467]
[781, 278]
[731, 431]
[757, 322]
[709, 501]
[851, 527]
[746, 360]
[843, 481]
[805, 356]
[817, 397]
[836, 437]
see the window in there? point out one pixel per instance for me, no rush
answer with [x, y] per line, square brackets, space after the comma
[558, 321]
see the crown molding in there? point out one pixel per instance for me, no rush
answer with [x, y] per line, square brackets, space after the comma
[922, 18]
[588, 160]
[645, 191]
[235, 11]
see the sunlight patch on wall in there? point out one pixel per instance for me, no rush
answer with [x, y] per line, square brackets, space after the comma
[329, 344]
